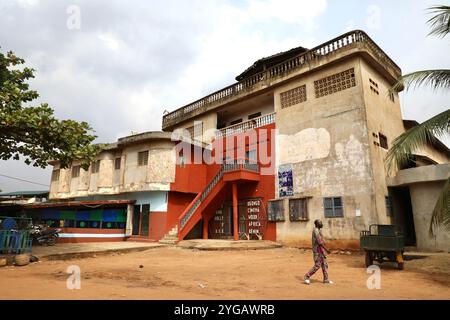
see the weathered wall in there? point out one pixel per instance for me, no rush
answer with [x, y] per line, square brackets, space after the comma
[159, 172]
[383, 116]
[325, 141]
[423, 200]
[434, 154]
[209, 125]
[156, 176]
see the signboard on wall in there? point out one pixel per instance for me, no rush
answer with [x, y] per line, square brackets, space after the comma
[285, 181]
[252, 220]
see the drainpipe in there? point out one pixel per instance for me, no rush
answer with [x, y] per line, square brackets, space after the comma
[235, 212]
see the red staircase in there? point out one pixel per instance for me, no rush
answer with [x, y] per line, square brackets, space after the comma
[227, 173]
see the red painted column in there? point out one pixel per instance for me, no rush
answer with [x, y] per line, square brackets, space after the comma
[235, 212]
[205, 228]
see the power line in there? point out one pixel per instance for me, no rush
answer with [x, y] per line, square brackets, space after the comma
[14, 178]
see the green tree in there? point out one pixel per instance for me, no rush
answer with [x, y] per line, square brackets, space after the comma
[438, 126]
[32, 131]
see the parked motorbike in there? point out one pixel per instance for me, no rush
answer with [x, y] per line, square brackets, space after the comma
[43, 235]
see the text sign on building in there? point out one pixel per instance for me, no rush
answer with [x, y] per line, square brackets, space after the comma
[252, 219]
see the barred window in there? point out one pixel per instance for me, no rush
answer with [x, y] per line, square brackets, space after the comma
[389, 208]
[276, 210]
[195, 131]
[293, 97]
[335, 83]
[143, 158]
[333, 207]
[95, 167]
[75, 171]
[117, 163]
[392, 96]
[298, 210]
[55, 175]
[374, 87]
[383, 141]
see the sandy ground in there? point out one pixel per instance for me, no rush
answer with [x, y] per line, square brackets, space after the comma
[175, 273]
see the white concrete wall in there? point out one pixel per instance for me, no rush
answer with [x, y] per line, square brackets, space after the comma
[423, 200]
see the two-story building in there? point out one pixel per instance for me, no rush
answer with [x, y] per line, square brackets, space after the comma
[301, 135]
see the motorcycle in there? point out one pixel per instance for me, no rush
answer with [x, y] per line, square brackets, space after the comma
[43, 235]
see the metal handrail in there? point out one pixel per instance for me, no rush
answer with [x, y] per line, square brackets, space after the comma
[247, 125]
[226, 167]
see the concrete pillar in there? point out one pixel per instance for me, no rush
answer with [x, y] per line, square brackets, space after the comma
[129, 226]
[205, 228]
[235, 213]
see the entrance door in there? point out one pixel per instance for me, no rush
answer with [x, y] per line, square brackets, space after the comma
[136, 220]
[403, 214]
[145, 219]
[141, 220]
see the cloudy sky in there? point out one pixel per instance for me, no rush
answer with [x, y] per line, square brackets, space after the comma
[119, 64]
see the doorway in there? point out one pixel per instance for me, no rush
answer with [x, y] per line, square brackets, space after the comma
[141, 220]
[403, 213]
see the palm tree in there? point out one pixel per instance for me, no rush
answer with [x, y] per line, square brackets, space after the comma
[434, 128]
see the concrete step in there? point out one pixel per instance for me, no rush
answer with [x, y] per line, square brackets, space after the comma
[165, 241]
[170, 238]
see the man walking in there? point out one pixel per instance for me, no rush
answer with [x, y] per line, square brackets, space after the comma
[320, 254]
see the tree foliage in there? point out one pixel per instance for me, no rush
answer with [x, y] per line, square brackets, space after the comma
[32, 132]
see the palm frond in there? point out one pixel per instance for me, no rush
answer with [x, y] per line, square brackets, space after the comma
[440, 23]
[436, 79]
[441, 212]
[412, 140]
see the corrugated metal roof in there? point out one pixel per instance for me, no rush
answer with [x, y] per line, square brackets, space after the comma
[24, 193]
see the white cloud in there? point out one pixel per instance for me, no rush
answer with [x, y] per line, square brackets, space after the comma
[288, 11]
[109, 40]
[28, 3]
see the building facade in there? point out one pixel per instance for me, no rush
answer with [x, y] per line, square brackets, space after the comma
[301, 136]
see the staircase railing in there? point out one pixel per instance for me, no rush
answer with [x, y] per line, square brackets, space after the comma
[226, 167]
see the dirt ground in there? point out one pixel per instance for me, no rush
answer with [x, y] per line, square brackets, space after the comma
[175, 273]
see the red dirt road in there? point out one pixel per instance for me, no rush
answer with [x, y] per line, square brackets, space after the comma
[174, 273]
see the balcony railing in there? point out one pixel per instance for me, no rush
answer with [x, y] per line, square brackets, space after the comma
[282, 69]
[247, 125]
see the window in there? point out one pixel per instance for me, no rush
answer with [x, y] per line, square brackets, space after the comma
[251, 156]
[298, 210]
[95, 167]
[392, 96]
[383, 141]
[389, 208]
[254, 115]
[293, 97]
[117, 163]
[333, 207]
[276, 210]
[235, 122]
[55, 175]
[75, 171]
[143, 158]
[374, 87]
[335, 83]
[195, 130]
